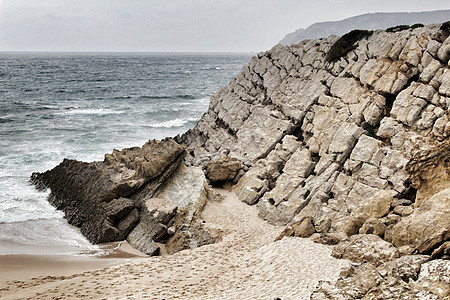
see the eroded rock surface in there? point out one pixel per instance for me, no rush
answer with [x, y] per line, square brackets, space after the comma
[353, 152]
[426, 228]
[407, 277]
[365, 248]
[223, 169]
[323, 137]
[99, 197]
[186, 190]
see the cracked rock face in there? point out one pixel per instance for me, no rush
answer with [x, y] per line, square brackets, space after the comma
[176, 204]
[144, 195]
[100, 197]
[407, 277]
[322, 138]
[223, 169]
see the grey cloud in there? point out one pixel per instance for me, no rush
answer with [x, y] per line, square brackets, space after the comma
[172, 25]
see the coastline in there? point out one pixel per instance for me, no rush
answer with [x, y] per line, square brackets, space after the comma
[333, 176]
[16, 267]
[245, 263]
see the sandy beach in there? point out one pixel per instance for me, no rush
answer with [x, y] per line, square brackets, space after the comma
[245, 264]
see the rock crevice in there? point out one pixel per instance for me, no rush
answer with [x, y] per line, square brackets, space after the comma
[357, 121]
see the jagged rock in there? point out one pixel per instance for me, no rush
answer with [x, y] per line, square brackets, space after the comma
[171, 214]
[430, 171]
[426, 228]
[145, 163]
[126, 225]
[407, 108]
[434, 277]
[405, 268]
[373, 226]
[408, 277]
[376, 206]
[296, 169]
[100, 197]
[353, 283]
[256, 181]
[140, 240]
[327, 238]
[365, 247]
[303, 229]
[336, 133]
[156, 216]
[322, 224]
[117, 209]
[393, 288]
[443, 251]
[224, 169]
[251, 188]
[403, 210]
[158, 210]
[444, 52]
[186, 189]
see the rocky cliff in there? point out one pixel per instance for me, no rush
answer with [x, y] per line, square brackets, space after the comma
[143, 195]
[356, 147]
[323, 137]
[351, 151]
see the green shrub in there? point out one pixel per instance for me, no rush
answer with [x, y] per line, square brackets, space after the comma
[445, 26]
[417, 25]
[346, 43]
[397, 28]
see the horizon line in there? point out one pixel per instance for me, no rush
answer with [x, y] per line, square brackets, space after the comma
[122, 51]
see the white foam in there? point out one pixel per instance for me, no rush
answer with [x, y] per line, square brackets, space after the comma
[20, 202]
[46, 235]
[170, 124]
[92, 111]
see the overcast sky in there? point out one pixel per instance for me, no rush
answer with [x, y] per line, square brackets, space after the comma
[174, 25]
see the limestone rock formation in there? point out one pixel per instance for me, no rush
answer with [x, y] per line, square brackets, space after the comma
[365, 247]
[223, 169]
[407, 277]
[321, 138]
[99, 197]
[156, 217]
[144, 195]
[352, 152]
[426, 228]
[367, 213]
[178, 203]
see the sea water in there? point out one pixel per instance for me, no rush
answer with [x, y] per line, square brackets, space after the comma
[81, 106]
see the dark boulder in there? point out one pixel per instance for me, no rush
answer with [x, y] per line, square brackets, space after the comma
[98, 197]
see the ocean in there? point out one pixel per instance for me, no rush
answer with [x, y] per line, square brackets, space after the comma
[81, 106]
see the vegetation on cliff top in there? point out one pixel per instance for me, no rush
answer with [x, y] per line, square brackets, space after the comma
[445, 26]
[346, 43]
[403, 27]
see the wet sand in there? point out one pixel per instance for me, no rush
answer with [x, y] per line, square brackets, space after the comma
[246, 264]
[25, 266]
